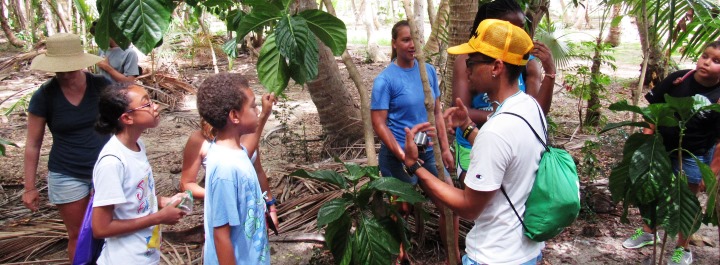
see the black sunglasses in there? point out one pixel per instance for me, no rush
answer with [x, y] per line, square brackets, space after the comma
[469, 63]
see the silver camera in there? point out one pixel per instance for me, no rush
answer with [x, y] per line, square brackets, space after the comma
[421, 140]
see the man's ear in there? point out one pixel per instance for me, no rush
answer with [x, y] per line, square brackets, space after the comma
[498, 67]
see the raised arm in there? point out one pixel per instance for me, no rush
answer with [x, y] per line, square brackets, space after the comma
[192, 160]
[539, 83]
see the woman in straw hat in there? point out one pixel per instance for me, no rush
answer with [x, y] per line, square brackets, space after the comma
[68, 105]
[509, 156]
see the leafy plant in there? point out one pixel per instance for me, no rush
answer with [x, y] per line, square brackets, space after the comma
[356, 232]
[587, 82]
[644, 178]
[4, 143]
[590, 165]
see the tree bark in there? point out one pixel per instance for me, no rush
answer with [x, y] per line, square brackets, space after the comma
[415, 26]
[50, 24]
[655, 70]
[368, 131]
[613, 37]
[418, 16]
[373, 49]
[432, 47]
[431, 12]
[592, 116]
[461, 20]
[19, 10]
[338, 113]
[6, 28]
[535, 12]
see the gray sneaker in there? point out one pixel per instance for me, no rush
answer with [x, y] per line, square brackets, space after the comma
[681, 257]
[640, 239]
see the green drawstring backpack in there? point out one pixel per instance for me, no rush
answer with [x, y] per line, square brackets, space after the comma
[554, 201]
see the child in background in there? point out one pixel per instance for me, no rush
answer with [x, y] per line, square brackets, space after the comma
[235, 231]
[125, 207]
[197, 146]
[700, 137]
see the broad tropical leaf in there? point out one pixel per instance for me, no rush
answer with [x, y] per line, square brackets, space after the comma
[144, 22]
[355, 171]
[374, 245]
[661, 115]
[339, 240]
[230, 48]
[331, 211]
[393, 186]
[291, 33]
[710, 181]
[328, 176]
[625, 106]
[686, 107]
[106, 27]
[685, 217]
[272, 68]
[373, 172]
[261, 15]
[649, 170]
[328, 28]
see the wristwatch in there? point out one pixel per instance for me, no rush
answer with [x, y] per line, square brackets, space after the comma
[411, 169]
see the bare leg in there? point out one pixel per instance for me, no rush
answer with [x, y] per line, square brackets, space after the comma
[72, 215]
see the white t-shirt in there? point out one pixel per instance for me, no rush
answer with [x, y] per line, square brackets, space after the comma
[124, 178]
[507, 153]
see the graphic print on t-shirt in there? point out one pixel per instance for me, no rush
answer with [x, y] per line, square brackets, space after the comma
[145, 194]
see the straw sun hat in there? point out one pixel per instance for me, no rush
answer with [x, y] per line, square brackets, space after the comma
[64, 54]
[498, 39]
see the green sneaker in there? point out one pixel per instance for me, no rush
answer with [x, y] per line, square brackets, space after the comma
[680, 257]
[640, 239]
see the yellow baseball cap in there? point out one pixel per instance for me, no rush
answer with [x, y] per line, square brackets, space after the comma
[498, 39]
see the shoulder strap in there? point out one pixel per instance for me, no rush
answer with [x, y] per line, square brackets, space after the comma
[543, 142]
[118, 158]
[513, 207]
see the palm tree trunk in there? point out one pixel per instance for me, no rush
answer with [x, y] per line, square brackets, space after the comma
[461, 20]
[613, 37]
[368, 132]
[6, 28]
[338, 113]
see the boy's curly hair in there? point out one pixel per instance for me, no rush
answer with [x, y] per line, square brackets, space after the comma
[218, 95]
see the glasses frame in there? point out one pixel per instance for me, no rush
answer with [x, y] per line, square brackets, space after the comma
[149, 104]
[470, 63]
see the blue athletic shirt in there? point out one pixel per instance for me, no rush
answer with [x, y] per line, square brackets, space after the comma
[400, 92]
[482, 102]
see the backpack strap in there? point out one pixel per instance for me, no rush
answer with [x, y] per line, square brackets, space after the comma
[513, 207]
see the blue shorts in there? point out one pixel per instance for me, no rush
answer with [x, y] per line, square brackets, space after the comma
[64, 189]
[468, 261]
[690, 167]
[391, 166]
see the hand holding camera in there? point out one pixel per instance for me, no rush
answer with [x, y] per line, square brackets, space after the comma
[418, 136]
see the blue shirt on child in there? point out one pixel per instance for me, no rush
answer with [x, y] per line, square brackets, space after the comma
[233, 197]
[400, 92]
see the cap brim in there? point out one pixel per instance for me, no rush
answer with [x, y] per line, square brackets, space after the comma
[57, 64]
[461, 49]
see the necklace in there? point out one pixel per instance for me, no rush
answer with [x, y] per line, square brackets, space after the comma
[500, 104]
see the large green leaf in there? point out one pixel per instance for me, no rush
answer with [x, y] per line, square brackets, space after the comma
[328, 176]
[355, 171]
[106, 27]
[649, 170]
[339, 240]
[375, 245]
[331, 211]
[144, 22]
[260, 15]
[233, 19]
[373, 172]
[396, 187]
[230, 48]
[275, 4]
[685, 216]
[661, 114]
[292, 33]
[271, 67]
[625, 106]
[710, 181]
[686, 107]
[328, 28]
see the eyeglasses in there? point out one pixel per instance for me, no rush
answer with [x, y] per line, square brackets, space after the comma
[469, 63]
[141, 107]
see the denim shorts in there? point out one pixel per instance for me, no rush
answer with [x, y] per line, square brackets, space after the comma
[690, 167]
[468, 261]
[392, 166]
[64, 189]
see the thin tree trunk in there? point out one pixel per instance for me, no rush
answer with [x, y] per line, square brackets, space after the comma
[19, 10]
[373, 49]
[429, 106]
[368, 132]
[50, 24]
[592, 116]
[6, 28]
[613, 37]
[655, 65]
[338, 113]
[418, 16]
[535, 12]
[432, 47]
[431, 12]
[58, 10]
